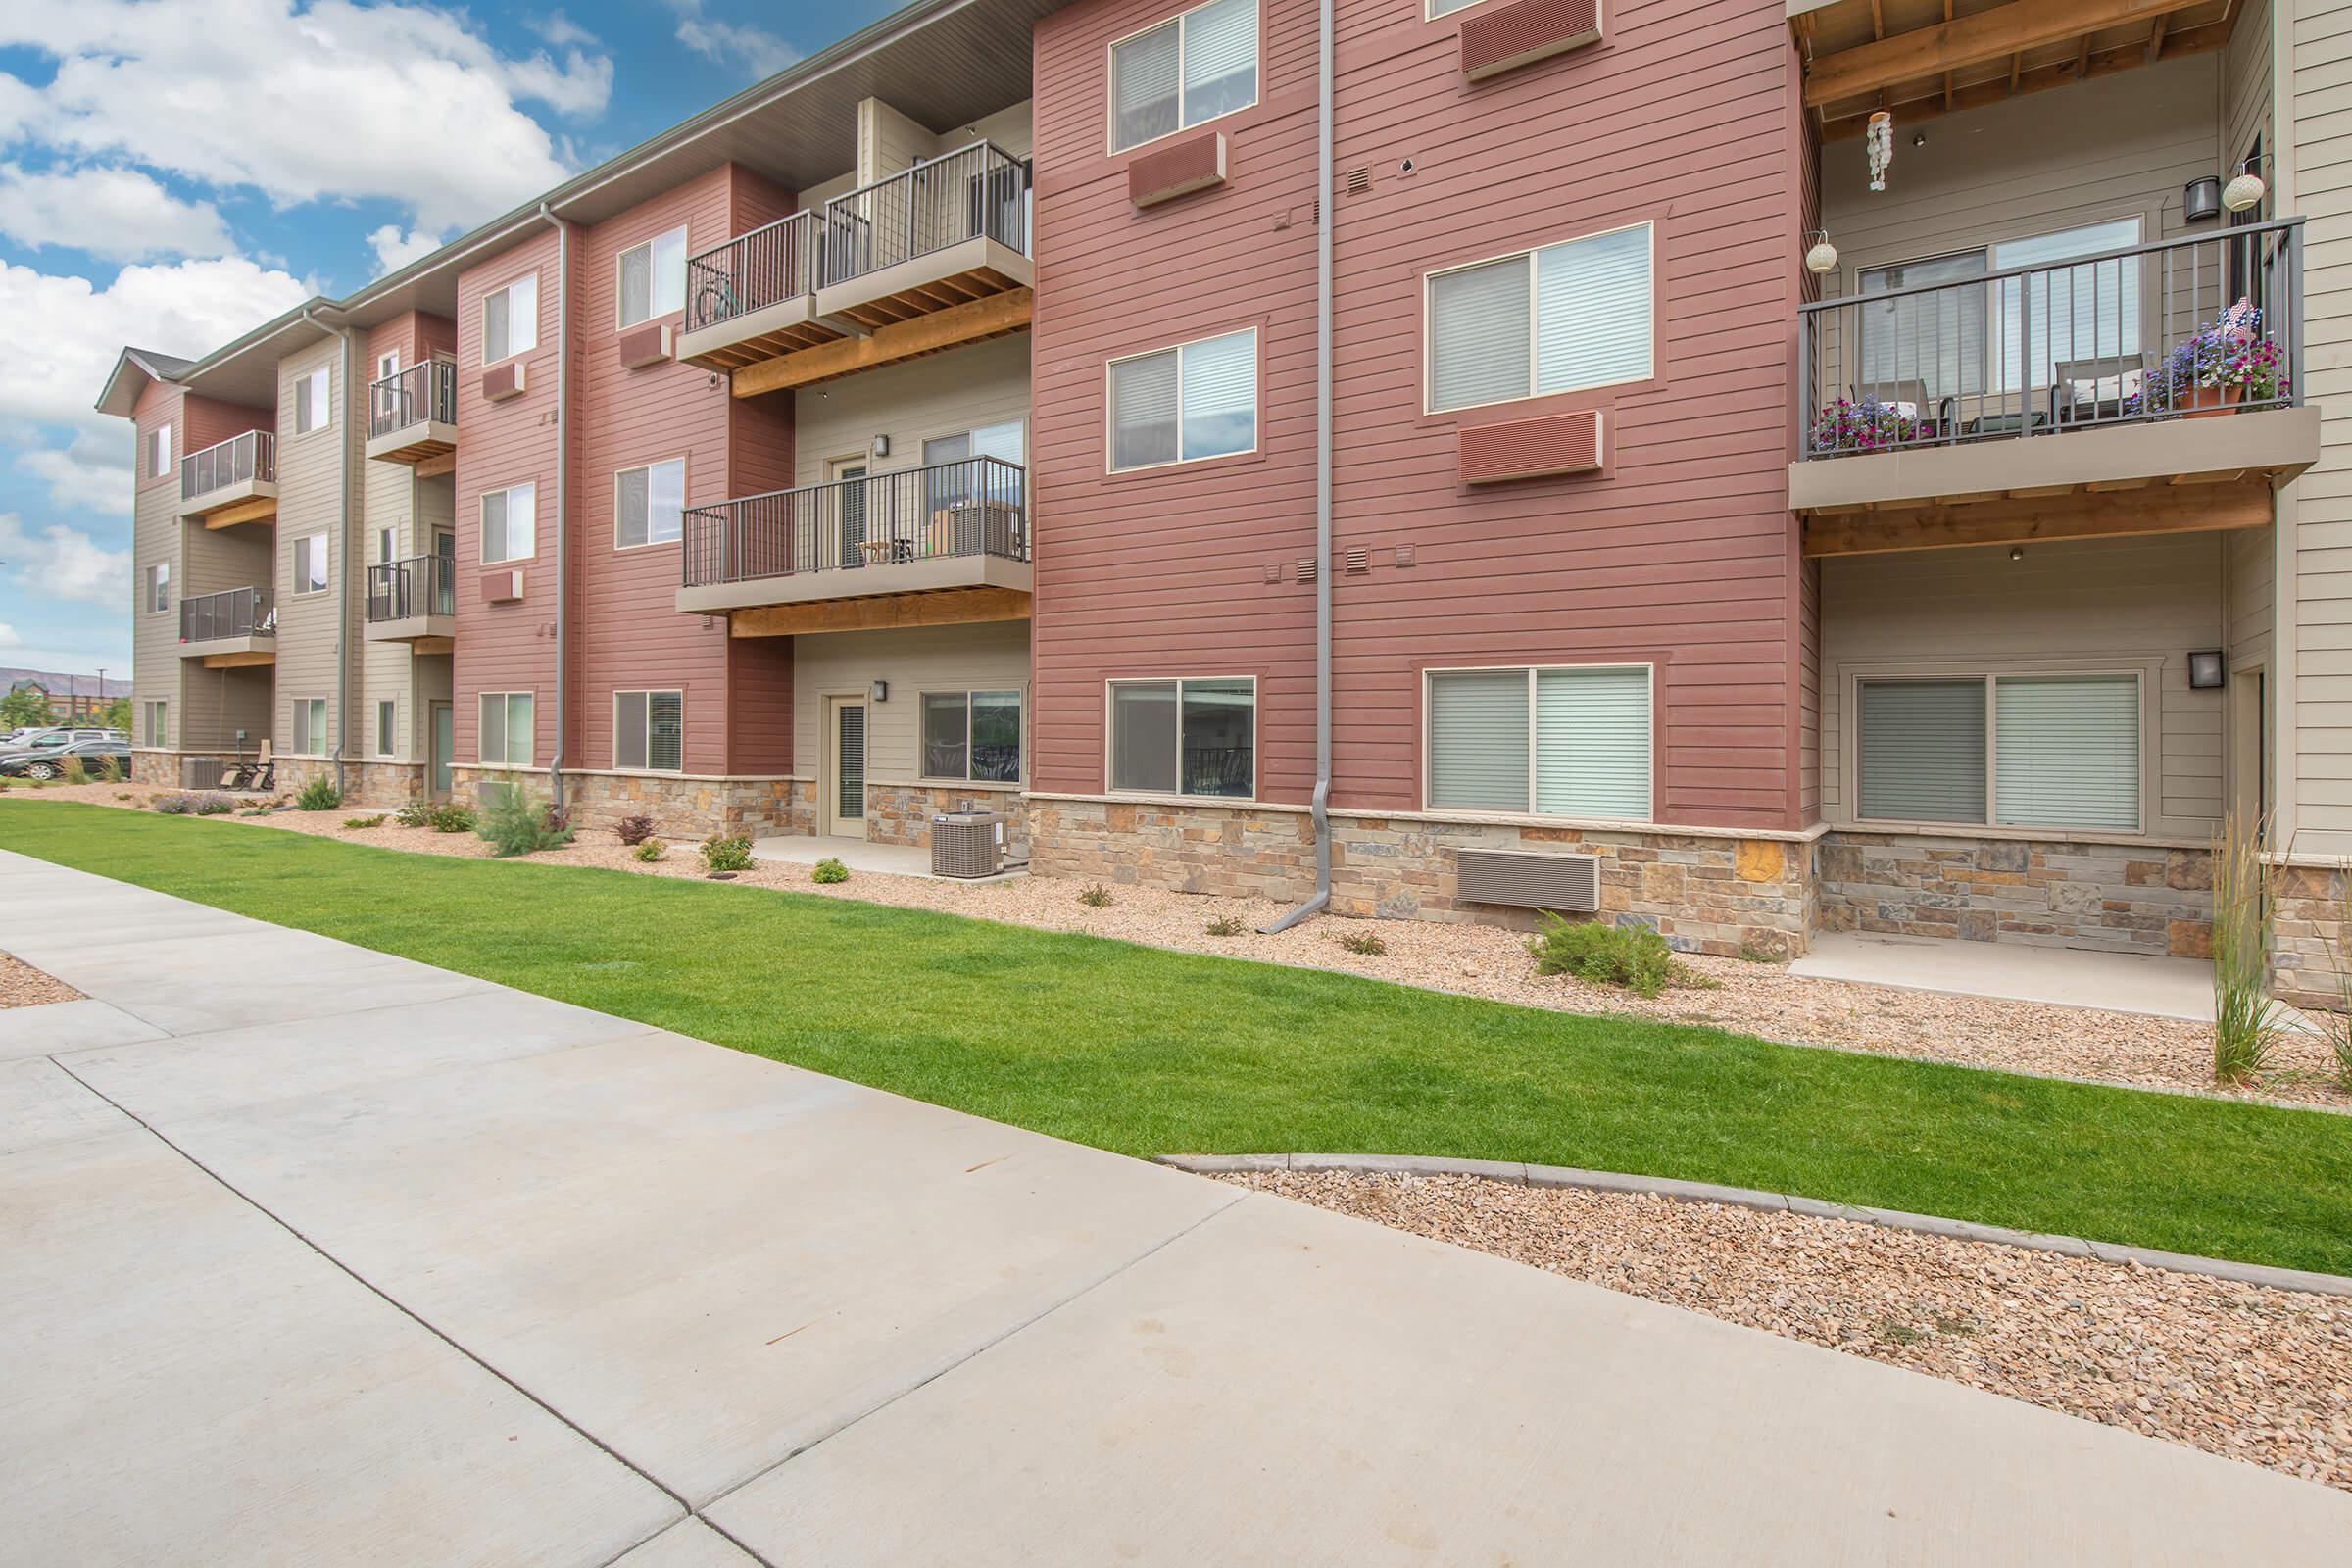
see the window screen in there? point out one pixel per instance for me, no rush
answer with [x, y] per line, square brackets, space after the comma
[1922, 756]
[1580, 314]
[649, 730]
[2067, 752]
[1478, 739]
[650, 503]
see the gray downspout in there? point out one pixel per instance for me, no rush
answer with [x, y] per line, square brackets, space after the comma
[1319, 810]
[343, 565]
[554, 766]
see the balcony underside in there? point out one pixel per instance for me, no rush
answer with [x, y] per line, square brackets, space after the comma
[943, 591]
[425, 634]
[231, 653]
[766, 333]
[415, 444]
[924, 285]
[245, 500]
[972, 321]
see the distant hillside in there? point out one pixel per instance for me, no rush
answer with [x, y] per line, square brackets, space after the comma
[55, 681]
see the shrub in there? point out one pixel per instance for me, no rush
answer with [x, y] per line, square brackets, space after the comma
[1632, 957]
[319, 795]
[450, 819]
[254, 811]
[727, 855]
[72, 770]
[517, 823]
[416, 813]
[1095, 896]
[635, 829]
[1227, 925]
[1367, 943]
[110, 770]
[376, 820]
[829, 870]
[2243, 1030]
[649, 851]
[214, 806]
[125, 795]
[175, 805]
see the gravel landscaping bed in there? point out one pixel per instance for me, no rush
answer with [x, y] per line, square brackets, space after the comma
[1492, 961]
[24, 986]
[2238, 1370]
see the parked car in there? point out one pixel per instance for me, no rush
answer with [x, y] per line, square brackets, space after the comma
[49, 762]
[51, 736]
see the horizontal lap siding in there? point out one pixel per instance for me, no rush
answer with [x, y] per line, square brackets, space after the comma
[1680, 554]
[156, 533]
[1164, 571]
[311, 502]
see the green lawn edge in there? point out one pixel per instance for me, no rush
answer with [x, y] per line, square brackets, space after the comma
[1149, 1051]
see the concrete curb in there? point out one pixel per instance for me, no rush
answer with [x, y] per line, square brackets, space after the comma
[1601, 1181]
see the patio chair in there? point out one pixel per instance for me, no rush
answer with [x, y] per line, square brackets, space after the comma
[1909, 399]
[2083, 391]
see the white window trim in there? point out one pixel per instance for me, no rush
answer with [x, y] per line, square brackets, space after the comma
[1257, 751]
[298, 717]
[505, 763]
[387, 364]
[1649, 670]
[155, 722]
[649, 693]
[1429, 321]
[1430, 11]
[149, 582]
[2147, 675]
[481, 515]
[1021, 768]
[620, 321]
[1111, 111]
[490, 294]
[685, 477]
[381, 704]
[1257, 409]
[295, 589]
[160, 443]
[318, 425]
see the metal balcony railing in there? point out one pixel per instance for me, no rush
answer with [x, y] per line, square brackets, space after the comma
[235, 613]
[2209, 323]
[420, 393]
[971, 507]
[420, 585]
[766, 266]
[979, 190]
[251, 456]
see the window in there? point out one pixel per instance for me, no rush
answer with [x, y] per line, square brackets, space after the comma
[653, 278]
[1183, 404]
[313, 408]
[1556, 320]
[973, 735]
[649, 731]
[310, 564]
[387, 364]
[154, 725]
[508, 518]
[649, 503]
[309, 727]
[1555, 742]
[1184, 737]
[1187, 69]
[158, 452]
[506, 735]
[1446, 8]
[387, 546]
[2016, 750]
[158, 591]
[510, 319]
[387, 728]
[969, 481]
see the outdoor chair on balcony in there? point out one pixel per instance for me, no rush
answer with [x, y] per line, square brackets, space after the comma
[2086, 391]
[1909, 400]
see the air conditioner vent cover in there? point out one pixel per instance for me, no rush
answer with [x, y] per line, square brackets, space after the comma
[1359, 559]
[1306, 571]
[1359, 180]
[1566, 884]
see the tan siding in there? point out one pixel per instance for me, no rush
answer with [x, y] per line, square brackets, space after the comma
[990, 657]
[310, 501]
[946, 394]
[155, 539]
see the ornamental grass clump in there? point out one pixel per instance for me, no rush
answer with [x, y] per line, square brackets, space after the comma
[72, 770]
[2334, 1020]
[319, 795]
[2243, 909]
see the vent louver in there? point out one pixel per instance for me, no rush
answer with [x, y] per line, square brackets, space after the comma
[1358, 558]
[1565, 884]
[1404, 555]
[1359, 180]
[1306, 571]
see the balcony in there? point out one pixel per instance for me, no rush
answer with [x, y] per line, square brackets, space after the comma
[231, 481]
[934, 257]
[412, 418]
[2145, 390]
[414, 602]
[229, 629]
[919, 547]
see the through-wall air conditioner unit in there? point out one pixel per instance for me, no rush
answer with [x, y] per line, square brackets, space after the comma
[503, 381]
[1515, 35]
[1565, 884]
[649, 344]
[503, 587]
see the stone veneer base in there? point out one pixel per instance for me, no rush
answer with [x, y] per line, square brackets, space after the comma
[682, 808]
[900, 813]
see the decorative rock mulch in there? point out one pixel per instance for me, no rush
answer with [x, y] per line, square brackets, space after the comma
[24, 986]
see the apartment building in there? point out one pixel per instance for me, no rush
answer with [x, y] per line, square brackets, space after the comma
[1735, 511]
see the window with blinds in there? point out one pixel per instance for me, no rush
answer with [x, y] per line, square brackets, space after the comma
[1555, 742]
[653, 277]
[505, 739]
[1560, 318]
[509, 524]
[2013, 751]
[649, 731]
[510, 319]
[1185, 737]
[1922, 756]
[1187, 69]
[648, 504]
[1180, 404]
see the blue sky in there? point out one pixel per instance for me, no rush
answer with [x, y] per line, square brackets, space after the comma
[173, 173]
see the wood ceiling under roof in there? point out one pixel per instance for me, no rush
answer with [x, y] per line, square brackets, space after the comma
[1923, 58]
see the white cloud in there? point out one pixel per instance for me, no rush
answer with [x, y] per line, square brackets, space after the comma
[395, 250]
[305, 102]
[561, 32]
[64, 562]
[117, 214]
[759, 52]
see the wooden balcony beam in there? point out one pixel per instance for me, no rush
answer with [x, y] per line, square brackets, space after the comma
[968, 322]
[2041, 519]
[1972, 40]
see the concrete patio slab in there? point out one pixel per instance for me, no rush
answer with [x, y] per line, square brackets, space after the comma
[68, 1026]
[688, 1543]
[41, 1104]
[2072, 977]
[861, 855]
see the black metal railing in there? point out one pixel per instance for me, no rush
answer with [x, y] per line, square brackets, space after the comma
[420, 585]
[251, 456]
[2211, 324]
[976, 191]
[235, 613]
[971, 507]
[768, 266]
[420, 393]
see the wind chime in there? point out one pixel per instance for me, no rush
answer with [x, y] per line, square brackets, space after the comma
[1879, 141]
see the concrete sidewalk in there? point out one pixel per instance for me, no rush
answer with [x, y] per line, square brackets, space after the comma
[317, 1255]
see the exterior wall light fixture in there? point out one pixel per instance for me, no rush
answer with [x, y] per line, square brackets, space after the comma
[2206, 667]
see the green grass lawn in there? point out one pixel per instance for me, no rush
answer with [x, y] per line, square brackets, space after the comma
[1148, 1053]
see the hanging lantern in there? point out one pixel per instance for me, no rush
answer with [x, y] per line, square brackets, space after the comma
[1822, 259]
[1879, 140]
[2245, 193]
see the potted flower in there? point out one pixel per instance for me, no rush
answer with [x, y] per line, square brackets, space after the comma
[1866, 427]
[2224, 364]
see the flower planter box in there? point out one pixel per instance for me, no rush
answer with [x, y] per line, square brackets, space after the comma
[2207, 402]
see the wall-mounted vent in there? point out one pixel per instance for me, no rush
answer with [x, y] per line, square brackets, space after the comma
[1404, 555]
[1177, 169]
[1306, 571]
[1359, 180]
[1529, 449]
[1566, 884]
[1358, 558]
[1274, 572]
[1515, 35]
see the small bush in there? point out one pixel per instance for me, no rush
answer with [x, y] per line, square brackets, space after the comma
[112, 771]
[214, 806]
[635, 829]
[376, 820]
[828, 870]
[1227, 925]
[1632, 957]
[518, 823]
[72, 770]
[1367, 943]
[319, 795]
[416, 813]
[727, 855]
[649, 851]
[1095, 896]
[450, 819]
[175, 805]
[254, 811]
[125, 795]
